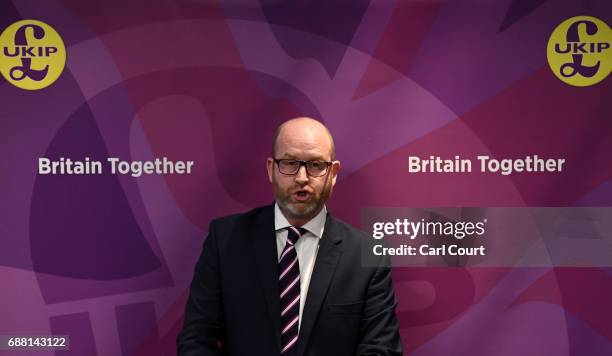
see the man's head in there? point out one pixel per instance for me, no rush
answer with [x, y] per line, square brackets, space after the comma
[301, 196]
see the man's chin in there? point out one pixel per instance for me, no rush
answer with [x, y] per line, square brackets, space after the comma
[301, 210]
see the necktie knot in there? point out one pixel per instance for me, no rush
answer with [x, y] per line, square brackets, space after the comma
[294, 233]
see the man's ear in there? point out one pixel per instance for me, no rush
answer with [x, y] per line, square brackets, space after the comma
[335, 168]
[270, 168]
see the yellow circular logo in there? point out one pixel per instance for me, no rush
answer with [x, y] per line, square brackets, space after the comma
[579, 51]
[32, 54]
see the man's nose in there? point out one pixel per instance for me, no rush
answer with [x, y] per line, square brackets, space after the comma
[302, 175]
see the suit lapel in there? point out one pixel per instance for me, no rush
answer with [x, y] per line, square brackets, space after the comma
[266, 258]
[329, 253]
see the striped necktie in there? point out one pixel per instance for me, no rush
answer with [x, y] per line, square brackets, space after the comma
[289, 288]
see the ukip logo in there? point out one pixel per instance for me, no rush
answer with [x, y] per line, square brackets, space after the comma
[32, 54]
[579, 51]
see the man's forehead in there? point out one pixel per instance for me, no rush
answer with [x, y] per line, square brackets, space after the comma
[304, 136]
[303, 150]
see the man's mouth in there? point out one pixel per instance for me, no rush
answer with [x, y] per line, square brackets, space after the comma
[301, 195]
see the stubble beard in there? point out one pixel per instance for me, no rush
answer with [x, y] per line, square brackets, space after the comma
[303, 212]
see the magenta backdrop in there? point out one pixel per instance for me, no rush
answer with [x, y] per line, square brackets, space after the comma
[107, 259]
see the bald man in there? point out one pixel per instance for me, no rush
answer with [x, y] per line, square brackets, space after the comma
[287, 279]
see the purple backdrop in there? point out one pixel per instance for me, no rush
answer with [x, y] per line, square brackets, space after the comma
[107, 259]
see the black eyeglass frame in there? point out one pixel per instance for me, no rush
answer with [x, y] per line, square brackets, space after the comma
[302, 163]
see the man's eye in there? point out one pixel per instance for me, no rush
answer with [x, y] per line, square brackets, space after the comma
[290, 163]
[316, 164]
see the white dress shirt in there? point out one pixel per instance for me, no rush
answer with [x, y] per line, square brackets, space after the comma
[306, 247]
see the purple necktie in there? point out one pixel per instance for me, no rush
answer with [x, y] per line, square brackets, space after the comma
[289, 288]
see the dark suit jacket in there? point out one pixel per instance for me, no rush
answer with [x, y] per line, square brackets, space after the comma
[233, 305]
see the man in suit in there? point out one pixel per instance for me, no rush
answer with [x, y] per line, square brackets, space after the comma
[287, 279]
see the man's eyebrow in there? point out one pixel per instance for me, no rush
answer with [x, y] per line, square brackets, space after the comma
[316, 158]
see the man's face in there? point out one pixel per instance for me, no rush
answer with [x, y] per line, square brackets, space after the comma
[300, 197]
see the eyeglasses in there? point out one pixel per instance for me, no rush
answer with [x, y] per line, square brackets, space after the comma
[291, 167]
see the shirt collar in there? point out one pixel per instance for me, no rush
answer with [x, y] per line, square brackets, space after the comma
[314, 226]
